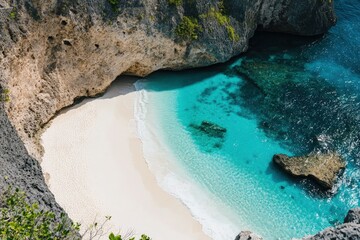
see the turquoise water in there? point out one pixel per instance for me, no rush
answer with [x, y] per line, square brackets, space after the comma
[285, 95]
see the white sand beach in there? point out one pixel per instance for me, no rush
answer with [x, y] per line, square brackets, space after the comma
[96, 167]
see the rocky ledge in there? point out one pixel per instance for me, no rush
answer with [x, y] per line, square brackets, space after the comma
[353, 216]
[323, 168]
[18, 169]
[350, 229]
[247, 235]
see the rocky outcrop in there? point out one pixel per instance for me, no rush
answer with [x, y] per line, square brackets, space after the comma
[348, 230]
[341, 232]
[56, 51]
[18, 169]
[323, 168]
[247, 235]
[353, 216]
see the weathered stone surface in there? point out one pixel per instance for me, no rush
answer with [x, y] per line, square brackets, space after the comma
[53, 52]
[323, 168]
[353, 216]
[19, 170]
[247, 235]
[349, 230]
[341, 232]
[56, 51]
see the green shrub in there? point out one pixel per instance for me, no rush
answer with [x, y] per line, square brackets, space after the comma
[175, 2]
[5, 95]
[24, 221]
[112, 236]
[114, 2]
[222, 19]
[13, 14]
[21, 220]
[188, 28]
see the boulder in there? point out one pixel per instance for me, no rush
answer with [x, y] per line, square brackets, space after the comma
[349, 230]
[247, 235]
[341, 232]
[353, 216]
[321, 167]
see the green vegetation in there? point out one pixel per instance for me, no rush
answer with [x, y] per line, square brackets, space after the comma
[188, 28]
[175, 2]
[222, 19]
[114, 2]
[13, 13]
[4, 95]
[118, 237]
[21, 220]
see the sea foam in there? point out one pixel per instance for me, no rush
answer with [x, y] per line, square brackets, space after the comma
[173, 178]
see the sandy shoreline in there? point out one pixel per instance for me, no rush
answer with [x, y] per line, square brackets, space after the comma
[96, 167]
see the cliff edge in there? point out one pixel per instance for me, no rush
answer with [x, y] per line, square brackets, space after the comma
[53, 52]
[56, 51]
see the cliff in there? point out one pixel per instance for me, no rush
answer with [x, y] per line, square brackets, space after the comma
[18, 169]
[53, 52]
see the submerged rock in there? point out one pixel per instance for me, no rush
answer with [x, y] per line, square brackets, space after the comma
[247, 235]
[210, 129]
[323, 168]
[208, 135]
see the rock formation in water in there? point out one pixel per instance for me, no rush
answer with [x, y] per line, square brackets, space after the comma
[53, 52]
[321, 167]
[349, 230]
[209, 135]
[247, 235]
[353, 216]
[210, 129]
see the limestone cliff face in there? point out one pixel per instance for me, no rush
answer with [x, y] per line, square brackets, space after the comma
[55, 51]
[18, 169]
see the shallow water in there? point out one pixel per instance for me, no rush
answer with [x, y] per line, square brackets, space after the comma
[285, 95]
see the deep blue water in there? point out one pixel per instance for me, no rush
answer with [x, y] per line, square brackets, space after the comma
[287, 94]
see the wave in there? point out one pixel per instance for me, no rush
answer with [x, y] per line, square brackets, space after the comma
[172, 178]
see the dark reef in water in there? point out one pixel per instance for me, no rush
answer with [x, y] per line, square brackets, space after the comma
[210, 129]
[296, 106]
[215, 133]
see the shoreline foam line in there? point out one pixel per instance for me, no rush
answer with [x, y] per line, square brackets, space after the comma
[97, 169]
[174, 179]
